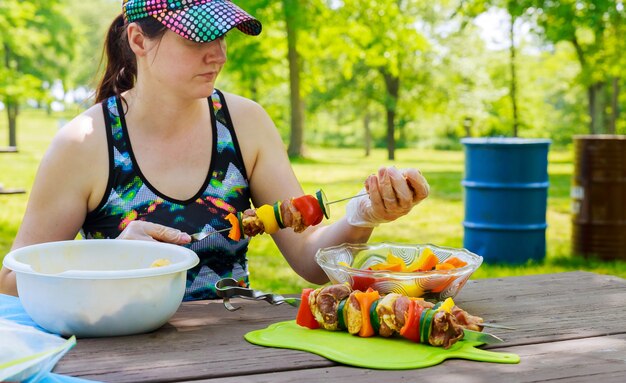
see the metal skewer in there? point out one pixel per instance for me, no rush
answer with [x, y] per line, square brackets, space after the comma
[195, 237]
[345, 199]
[481, 337]
[493, 325]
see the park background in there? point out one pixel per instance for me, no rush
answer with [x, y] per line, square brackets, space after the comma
[353, 85]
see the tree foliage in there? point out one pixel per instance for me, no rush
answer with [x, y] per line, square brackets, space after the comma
[36, 47]
[370, 73]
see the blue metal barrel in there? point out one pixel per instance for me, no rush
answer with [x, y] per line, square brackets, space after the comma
[506, 192]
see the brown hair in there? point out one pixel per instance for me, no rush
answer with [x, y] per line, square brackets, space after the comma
[121, 65]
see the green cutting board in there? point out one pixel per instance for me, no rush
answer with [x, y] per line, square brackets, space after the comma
[375, 352]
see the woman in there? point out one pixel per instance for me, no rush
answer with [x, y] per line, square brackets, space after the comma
[163, 154]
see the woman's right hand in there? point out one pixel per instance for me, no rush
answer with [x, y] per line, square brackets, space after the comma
[148, 231]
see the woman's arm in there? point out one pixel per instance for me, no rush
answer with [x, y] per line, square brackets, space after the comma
[71, 177]
[392, 193]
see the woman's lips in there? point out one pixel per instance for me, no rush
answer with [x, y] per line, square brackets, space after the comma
[208, 76]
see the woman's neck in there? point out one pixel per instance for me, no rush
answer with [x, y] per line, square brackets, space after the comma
[163, 113]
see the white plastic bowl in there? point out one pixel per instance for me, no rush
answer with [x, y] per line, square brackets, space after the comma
[100, 287]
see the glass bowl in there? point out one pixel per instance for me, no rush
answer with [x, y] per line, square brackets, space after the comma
[349, 263]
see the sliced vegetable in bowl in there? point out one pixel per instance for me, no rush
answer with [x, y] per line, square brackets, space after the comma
[426, 261]
[418, 270]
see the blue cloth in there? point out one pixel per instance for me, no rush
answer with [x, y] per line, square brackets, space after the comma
[11, 309]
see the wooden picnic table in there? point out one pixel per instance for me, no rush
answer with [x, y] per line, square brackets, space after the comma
[570, 327]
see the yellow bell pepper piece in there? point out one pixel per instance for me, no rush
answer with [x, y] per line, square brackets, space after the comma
[395, 260]
[386, 267]
[447, 305]
[266, 215]
[426, 261]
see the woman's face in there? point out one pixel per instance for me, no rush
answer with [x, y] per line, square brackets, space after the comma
[185, 66]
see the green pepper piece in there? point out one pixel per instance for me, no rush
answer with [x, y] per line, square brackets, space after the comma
[341, 320]
[277, 215]
[374, 319]
[426, 321]
[323, 202]
[240, 220]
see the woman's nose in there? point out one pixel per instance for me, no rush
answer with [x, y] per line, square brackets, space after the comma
[216, 51]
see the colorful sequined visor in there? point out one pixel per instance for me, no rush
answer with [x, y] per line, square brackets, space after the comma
[196, 20]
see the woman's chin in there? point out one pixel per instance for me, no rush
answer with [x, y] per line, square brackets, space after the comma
[203, 92]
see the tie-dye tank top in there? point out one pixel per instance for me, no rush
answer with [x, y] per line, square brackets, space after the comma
[130, 196]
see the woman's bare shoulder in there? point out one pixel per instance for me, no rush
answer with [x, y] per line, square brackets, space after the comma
[246, 113]
[83, 132]
[81, 144]
[258, 137]
[240, 101]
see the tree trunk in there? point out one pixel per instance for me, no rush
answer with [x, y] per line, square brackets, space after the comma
[614, 106]
[513, 77]
[467, 126]
[391, 141]
[297, 104]
[392, 84]
[596, 107]
[12, 112]
[367, 133]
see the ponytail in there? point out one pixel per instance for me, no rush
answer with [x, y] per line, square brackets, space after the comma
[121, 64]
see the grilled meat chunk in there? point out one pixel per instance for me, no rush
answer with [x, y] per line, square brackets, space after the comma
[445, 330]
[323, 303]
[466, 320]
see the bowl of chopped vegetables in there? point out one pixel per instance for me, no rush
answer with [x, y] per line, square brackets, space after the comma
[426, 271]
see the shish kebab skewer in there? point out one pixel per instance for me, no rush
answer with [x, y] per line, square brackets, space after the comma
[297, 213]
[367, 313]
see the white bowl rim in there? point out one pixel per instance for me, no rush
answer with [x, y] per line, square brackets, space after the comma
[477, 259]
[10, 262]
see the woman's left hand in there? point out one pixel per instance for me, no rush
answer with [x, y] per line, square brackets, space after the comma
[392, 194]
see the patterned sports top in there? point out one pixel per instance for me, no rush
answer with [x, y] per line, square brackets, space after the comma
[130, 197]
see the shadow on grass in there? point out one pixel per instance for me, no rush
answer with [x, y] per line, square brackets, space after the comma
[580, 262]
[306, 161]
[551, 265]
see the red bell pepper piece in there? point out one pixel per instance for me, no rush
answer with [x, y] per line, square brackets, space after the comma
[362, 283]
[309, 208]
[411, 328]
[305, 317]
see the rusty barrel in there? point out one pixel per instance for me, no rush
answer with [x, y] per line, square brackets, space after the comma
[599, 196]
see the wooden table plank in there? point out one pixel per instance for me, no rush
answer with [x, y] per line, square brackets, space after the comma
[202, 338]
[204, 341]
[546, 362]
[550, 307]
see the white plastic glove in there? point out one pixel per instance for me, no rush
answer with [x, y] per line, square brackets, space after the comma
[392, 194]
[149, 231]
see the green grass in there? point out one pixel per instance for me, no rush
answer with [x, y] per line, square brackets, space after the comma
[340, 172]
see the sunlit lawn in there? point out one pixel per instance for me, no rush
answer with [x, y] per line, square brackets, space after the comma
[340, 172]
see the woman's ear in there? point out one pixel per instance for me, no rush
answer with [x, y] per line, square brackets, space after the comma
[136, 39]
